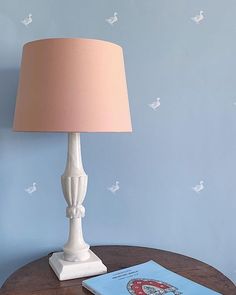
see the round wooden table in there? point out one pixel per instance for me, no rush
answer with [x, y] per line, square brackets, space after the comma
[37, 278]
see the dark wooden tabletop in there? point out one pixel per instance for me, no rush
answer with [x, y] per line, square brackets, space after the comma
[37, 278]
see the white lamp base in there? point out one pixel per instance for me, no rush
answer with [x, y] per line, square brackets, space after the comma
[66, 270]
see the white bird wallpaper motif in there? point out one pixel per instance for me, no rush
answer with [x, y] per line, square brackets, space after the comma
[28, 20]
[180, 68]
[155, 104]
[115, 187]
[31, 189]
[199, 187]
[113, 19]
[198, 18]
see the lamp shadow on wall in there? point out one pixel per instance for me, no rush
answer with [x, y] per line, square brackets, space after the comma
[11, 256]
[8, 87]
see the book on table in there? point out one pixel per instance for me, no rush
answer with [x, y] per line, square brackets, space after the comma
[148, 278]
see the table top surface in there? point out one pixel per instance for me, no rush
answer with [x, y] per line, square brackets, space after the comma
[37, 277]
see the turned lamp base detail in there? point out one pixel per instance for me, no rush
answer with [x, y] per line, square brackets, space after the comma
[76, 260]
[66, 270]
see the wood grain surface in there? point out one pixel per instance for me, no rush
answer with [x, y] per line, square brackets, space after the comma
[37, 278]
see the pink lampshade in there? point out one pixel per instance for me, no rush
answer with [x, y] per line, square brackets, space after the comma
[72, 85]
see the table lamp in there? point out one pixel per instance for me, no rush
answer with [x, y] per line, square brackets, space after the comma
[73, 85]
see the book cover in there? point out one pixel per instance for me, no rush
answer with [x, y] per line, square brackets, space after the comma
[148, 278]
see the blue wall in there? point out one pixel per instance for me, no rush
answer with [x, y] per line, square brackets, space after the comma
[190, 137]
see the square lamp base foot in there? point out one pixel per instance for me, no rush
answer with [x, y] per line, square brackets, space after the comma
[66, 270]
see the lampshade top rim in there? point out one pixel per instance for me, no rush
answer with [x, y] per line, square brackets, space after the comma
[71, 39]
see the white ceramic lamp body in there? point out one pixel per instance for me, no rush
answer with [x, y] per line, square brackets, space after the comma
[76, 260]
[74, 185]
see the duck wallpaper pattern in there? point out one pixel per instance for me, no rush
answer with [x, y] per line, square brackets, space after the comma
[171, 183]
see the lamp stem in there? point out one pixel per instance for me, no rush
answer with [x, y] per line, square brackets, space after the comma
[74, 185]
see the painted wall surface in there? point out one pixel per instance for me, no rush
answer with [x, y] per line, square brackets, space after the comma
[182, 88]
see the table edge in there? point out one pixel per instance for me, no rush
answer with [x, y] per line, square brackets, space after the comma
[117, 246]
